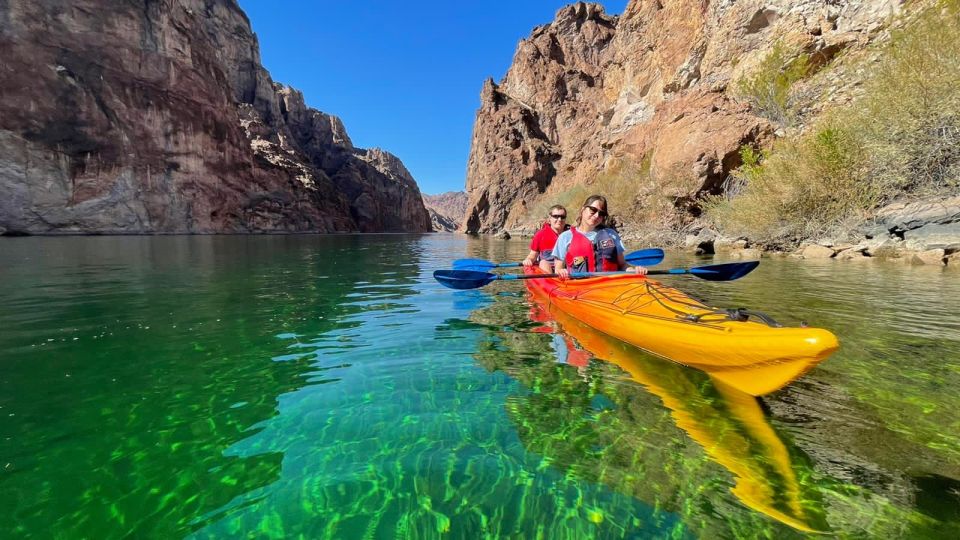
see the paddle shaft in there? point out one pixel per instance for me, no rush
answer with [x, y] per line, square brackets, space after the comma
[471, 279]
[582, 275]
[643, 257]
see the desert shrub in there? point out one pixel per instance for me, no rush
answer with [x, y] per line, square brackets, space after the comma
[801, 188]
[909, 119]
[768, 88]
[902, 136]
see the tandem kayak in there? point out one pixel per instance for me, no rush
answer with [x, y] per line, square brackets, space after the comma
[746, 353]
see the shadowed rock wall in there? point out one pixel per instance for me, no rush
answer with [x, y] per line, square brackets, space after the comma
[157, 117]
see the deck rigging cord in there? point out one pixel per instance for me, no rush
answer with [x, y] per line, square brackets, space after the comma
[659, 294]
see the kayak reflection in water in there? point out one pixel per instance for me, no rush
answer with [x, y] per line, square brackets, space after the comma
[566, 350]
[728, 424]
[591, 246]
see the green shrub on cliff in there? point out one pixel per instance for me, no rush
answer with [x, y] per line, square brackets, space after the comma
[768, 88]
[910, 115]
[796, 189]
[902, 136]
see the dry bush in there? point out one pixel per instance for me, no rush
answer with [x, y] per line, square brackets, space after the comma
[769, 88]
[802, 188]
[909, 119]
[901, 137]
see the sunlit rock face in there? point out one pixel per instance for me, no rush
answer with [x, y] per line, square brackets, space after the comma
[446, 210]
[590, 93]
[157, 117]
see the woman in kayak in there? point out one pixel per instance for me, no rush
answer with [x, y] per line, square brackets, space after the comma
[541, 247]
[591, 246]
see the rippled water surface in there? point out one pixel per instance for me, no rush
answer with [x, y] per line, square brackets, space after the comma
[327, 386]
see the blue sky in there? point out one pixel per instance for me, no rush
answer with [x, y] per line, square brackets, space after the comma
[403, 76]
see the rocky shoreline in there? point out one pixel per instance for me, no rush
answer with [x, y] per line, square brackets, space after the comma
[915, 232]
[920, 232]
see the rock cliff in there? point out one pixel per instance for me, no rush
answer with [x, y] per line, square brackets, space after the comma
[157, 117]
[643, 97]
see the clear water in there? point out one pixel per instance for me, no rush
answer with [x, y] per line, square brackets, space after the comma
[326, 386]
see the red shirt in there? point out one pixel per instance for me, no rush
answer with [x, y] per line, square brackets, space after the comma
[544, 241]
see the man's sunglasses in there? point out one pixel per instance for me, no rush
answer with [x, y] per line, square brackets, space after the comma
[594, 211]
[558, 216]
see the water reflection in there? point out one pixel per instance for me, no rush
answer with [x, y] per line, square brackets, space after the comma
[593, 421]
[727, 423]
[872, 433]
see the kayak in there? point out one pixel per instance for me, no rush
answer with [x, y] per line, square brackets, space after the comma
[734, 347]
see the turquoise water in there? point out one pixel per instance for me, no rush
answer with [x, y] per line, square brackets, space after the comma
[327, 386]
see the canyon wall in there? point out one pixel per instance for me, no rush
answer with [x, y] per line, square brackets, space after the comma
[646, 96]
[157, 117]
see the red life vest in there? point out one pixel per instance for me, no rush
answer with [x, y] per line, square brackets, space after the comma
[584, 254]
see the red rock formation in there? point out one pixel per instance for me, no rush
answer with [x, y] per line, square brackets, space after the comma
[144, 117]
[647, 92]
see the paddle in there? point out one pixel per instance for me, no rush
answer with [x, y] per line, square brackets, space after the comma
[643, 257]
[472, 279]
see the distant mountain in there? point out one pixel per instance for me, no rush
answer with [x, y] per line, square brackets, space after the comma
[446, 210]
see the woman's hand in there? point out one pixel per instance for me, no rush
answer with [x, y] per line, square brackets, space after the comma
[563, 273]
[639, 270]
[527, 262]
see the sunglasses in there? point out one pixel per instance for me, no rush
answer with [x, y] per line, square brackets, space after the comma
[595, 211]
[558, 216]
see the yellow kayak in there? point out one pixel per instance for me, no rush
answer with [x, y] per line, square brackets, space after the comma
[749, 355]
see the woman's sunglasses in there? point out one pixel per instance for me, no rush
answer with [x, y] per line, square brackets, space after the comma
[594, 211]
[558, 216]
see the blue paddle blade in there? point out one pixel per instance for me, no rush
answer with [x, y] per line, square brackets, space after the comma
[645, 257]
[724, 272]
[463, 279]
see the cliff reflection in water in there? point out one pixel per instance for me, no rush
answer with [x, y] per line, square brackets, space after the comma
[590, 419]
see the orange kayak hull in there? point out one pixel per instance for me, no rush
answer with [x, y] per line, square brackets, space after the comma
[750, 356]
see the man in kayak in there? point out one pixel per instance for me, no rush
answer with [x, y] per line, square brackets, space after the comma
[591, 246]
[541, 247]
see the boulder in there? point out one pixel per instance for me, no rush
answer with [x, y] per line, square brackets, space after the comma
[703, 242]
[932, 256]
[816, 251]
[952, 261]
[882, 247]
[852, 255]
[933, 236]
[904, 216]
[747, 253]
